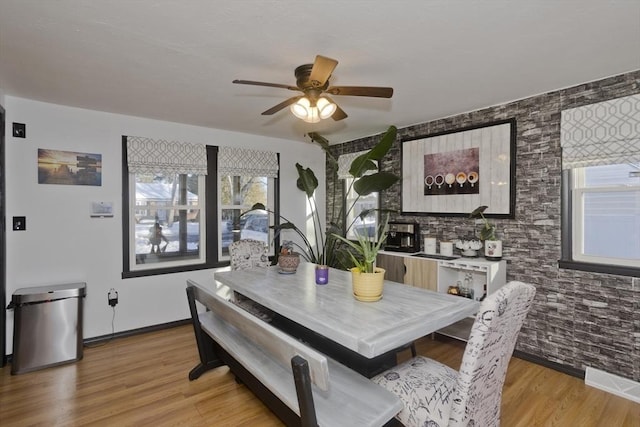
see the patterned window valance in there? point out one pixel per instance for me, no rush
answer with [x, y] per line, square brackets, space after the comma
[242, 161]
[145, 155]
[601, 134]
[344, 164]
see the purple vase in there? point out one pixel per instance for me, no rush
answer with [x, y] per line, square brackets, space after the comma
[322, 274]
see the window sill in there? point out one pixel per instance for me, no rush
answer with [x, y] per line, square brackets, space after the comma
[169, 270]
[600, 268]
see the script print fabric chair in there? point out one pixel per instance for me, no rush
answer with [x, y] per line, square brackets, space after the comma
[436, 395]
[248, 253]
[244, 254]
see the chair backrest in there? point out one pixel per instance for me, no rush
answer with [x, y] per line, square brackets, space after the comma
[248, 253]
[486, 357]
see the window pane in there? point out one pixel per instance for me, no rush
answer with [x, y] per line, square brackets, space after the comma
[607, 215]
[611, 175]
[366, 227]
[168, 219]
[238, 194]
[612, 224]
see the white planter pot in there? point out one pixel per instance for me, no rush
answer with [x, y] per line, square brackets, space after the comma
[493, 250]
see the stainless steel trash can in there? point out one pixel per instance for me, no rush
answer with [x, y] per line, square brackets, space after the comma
[47, 328]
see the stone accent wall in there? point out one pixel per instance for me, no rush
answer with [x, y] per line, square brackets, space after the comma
[579, 319]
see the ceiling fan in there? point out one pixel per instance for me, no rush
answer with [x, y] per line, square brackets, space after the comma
[313, 81]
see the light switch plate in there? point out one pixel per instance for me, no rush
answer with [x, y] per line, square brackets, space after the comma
[19, 223]
[19, 130]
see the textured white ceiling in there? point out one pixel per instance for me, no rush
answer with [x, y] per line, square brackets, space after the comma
[175, 60]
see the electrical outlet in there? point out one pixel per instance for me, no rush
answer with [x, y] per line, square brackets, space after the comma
[112, 297]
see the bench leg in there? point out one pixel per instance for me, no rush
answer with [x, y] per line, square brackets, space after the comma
[208, 358]
[302, 380]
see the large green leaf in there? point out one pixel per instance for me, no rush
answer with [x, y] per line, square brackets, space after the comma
[361, 165]
[478, 212]
[307, 180]
[365, 162]
[384, 145]
[374, 183]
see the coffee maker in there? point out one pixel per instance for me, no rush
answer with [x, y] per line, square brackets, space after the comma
[403, 237]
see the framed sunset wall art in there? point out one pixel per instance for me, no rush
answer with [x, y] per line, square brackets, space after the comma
[69, 168]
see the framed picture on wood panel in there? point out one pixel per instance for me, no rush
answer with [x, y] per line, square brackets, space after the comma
[453, 172]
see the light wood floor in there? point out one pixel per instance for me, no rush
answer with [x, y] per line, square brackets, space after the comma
[142, 381]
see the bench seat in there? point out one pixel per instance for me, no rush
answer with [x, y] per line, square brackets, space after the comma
[341, 396]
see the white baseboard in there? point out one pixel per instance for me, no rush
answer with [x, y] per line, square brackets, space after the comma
[613, 384]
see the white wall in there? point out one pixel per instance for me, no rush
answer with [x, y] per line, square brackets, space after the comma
[62, 244]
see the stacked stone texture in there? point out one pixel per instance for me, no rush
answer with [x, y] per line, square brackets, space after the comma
[579, 319]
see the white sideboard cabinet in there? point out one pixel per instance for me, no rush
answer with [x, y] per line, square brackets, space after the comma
[439, 275]
[482, 274]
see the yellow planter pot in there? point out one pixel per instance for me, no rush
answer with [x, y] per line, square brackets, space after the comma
[367, 286]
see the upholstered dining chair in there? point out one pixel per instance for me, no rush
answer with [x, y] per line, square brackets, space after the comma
[436, 395]
[249, 253]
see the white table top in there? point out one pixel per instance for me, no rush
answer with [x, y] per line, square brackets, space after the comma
[404, 313]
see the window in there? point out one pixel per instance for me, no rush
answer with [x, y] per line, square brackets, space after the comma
[183, 203]
[167, 198]
[169, 226]
[358, 204]
[601, 187]
[246, 177]
[605, 204]
[237, 195]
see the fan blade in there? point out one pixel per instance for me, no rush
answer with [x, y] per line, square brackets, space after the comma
[250, 82]
[280, 106]
[339, 114]
[321, 71]
[379, 92]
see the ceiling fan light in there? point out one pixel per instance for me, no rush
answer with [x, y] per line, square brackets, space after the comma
[301, 108]
[325, 108]
[313, 116]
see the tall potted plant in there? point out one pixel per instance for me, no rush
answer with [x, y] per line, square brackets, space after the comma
[492, 246]
[325, 248]
[328, 247]
[367, 280]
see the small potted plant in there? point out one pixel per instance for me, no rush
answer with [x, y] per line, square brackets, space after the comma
[492, 246]
[288, 260]
[367, 280]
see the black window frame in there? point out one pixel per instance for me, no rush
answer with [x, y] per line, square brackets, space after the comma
[211, 253]
[566, 261]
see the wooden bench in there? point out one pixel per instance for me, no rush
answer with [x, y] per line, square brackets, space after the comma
[300, 385]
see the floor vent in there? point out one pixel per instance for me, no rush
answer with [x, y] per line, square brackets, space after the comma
[613, 384]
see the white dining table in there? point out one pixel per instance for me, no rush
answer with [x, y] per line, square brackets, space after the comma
[404, 314]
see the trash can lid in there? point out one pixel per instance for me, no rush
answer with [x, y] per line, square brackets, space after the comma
[44, 293]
